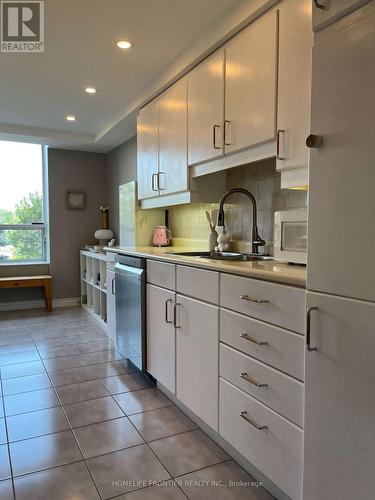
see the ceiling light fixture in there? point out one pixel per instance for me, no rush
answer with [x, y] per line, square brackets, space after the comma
[90, 90]
[123, 44]
[71, 118]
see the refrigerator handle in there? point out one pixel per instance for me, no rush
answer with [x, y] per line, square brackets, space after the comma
[308, 328]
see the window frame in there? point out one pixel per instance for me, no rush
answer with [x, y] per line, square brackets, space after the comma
[43, 226]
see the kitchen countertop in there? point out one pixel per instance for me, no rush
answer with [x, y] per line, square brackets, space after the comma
[278, 272]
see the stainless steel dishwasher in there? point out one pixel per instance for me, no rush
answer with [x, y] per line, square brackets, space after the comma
[130, 275]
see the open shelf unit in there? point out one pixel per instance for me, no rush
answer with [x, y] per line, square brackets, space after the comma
[94, 284]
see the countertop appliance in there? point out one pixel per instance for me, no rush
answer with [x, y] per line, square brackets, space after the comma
[290, 236]
[162, 236]
[130, 275]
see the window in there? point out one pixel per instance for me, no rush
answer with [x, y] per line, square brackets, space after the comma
[23, 203]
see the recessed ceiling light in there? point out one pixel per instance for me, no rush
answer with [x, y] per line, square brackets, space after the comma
[123, 44]
[90, 90]
[71, 118]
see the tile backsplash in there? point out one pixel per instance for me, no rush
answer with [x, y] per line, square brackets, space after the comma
[262, 180]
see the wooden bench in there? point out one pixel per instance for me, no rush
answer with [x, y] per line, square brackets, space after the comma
[44, 281]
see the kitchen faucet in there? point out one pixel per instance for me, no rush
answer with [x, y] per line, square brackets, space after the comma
[256, 240]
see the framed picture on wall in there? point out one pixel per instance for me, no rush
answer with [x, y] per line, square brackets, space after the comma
[75, 200]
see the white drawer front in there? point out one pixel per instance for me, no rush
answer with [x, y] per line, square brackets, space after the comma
[283, 350]
[198, 283]
[276, 451]
[280, 392]
[282, 305]
[161, 274]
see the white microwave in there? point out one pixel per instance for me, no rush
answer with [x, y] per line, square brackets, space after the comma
[290, 236]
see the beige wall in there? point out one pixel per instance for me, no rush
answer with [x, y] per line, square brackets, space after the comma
[71, 229]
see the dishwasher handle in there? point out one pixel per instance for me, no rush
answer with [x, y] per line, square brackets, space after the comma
[123, 270]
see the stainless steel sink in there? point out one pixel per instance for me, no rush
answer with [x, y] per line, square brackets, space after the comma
[224, 256]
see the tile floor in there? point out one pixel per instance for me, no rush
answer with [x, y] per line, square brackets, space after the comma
[77, 422]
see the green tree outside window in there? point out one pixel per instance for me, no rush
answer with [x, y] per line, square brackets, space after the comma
[27, 244]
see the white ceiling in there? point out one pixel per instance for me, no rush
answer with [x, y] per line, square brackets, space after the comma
[37, 91]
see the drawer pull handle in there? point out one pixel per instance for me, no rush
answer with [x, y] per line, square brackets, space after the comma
[246, 417]
[250, 339]
[257, 301]
[246, 377]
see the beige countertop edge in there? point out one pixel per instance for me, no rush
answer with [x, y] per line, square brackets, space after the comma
[273, 271]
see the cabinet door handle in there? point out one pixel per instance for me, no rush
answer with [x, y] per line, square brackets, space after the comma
[226, 123]
[166, 311]
[251, 299]
[246, 377]
[278, 157]
[245, 416]
[251, 339]
[308, 328]
[175, 315]
[153, 182]
[214, 136]
[112, 286]
[319, 5]
[159, 187]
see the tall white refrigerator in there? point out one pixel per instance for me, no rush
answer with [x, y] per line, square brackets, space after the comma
[339, 449]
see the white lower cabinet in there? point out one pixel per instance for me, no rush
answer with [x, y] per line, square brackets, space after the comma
[241, 376]
[161, 274]
[270, 302]
[280, 392]
[161, 338]
[274, 346]
[340, 404]
[270, 442]
[197, 360]
[198, 283]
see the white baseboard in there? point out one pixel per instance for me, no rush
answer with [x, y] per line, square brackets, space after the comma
[39, 304]
[68, 302]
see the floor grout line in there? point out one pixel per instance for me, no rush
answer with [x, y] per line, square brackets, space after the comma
[74, 429]
[7, 443]
[76, 440]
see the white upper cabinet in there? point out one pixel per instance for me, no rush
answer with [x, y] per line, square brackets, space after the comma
[294, 91]
[342, 169]
[206, 110]
[226, 111]
[250, 85]
[147, 151]
[173, 168]
[328, 11]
